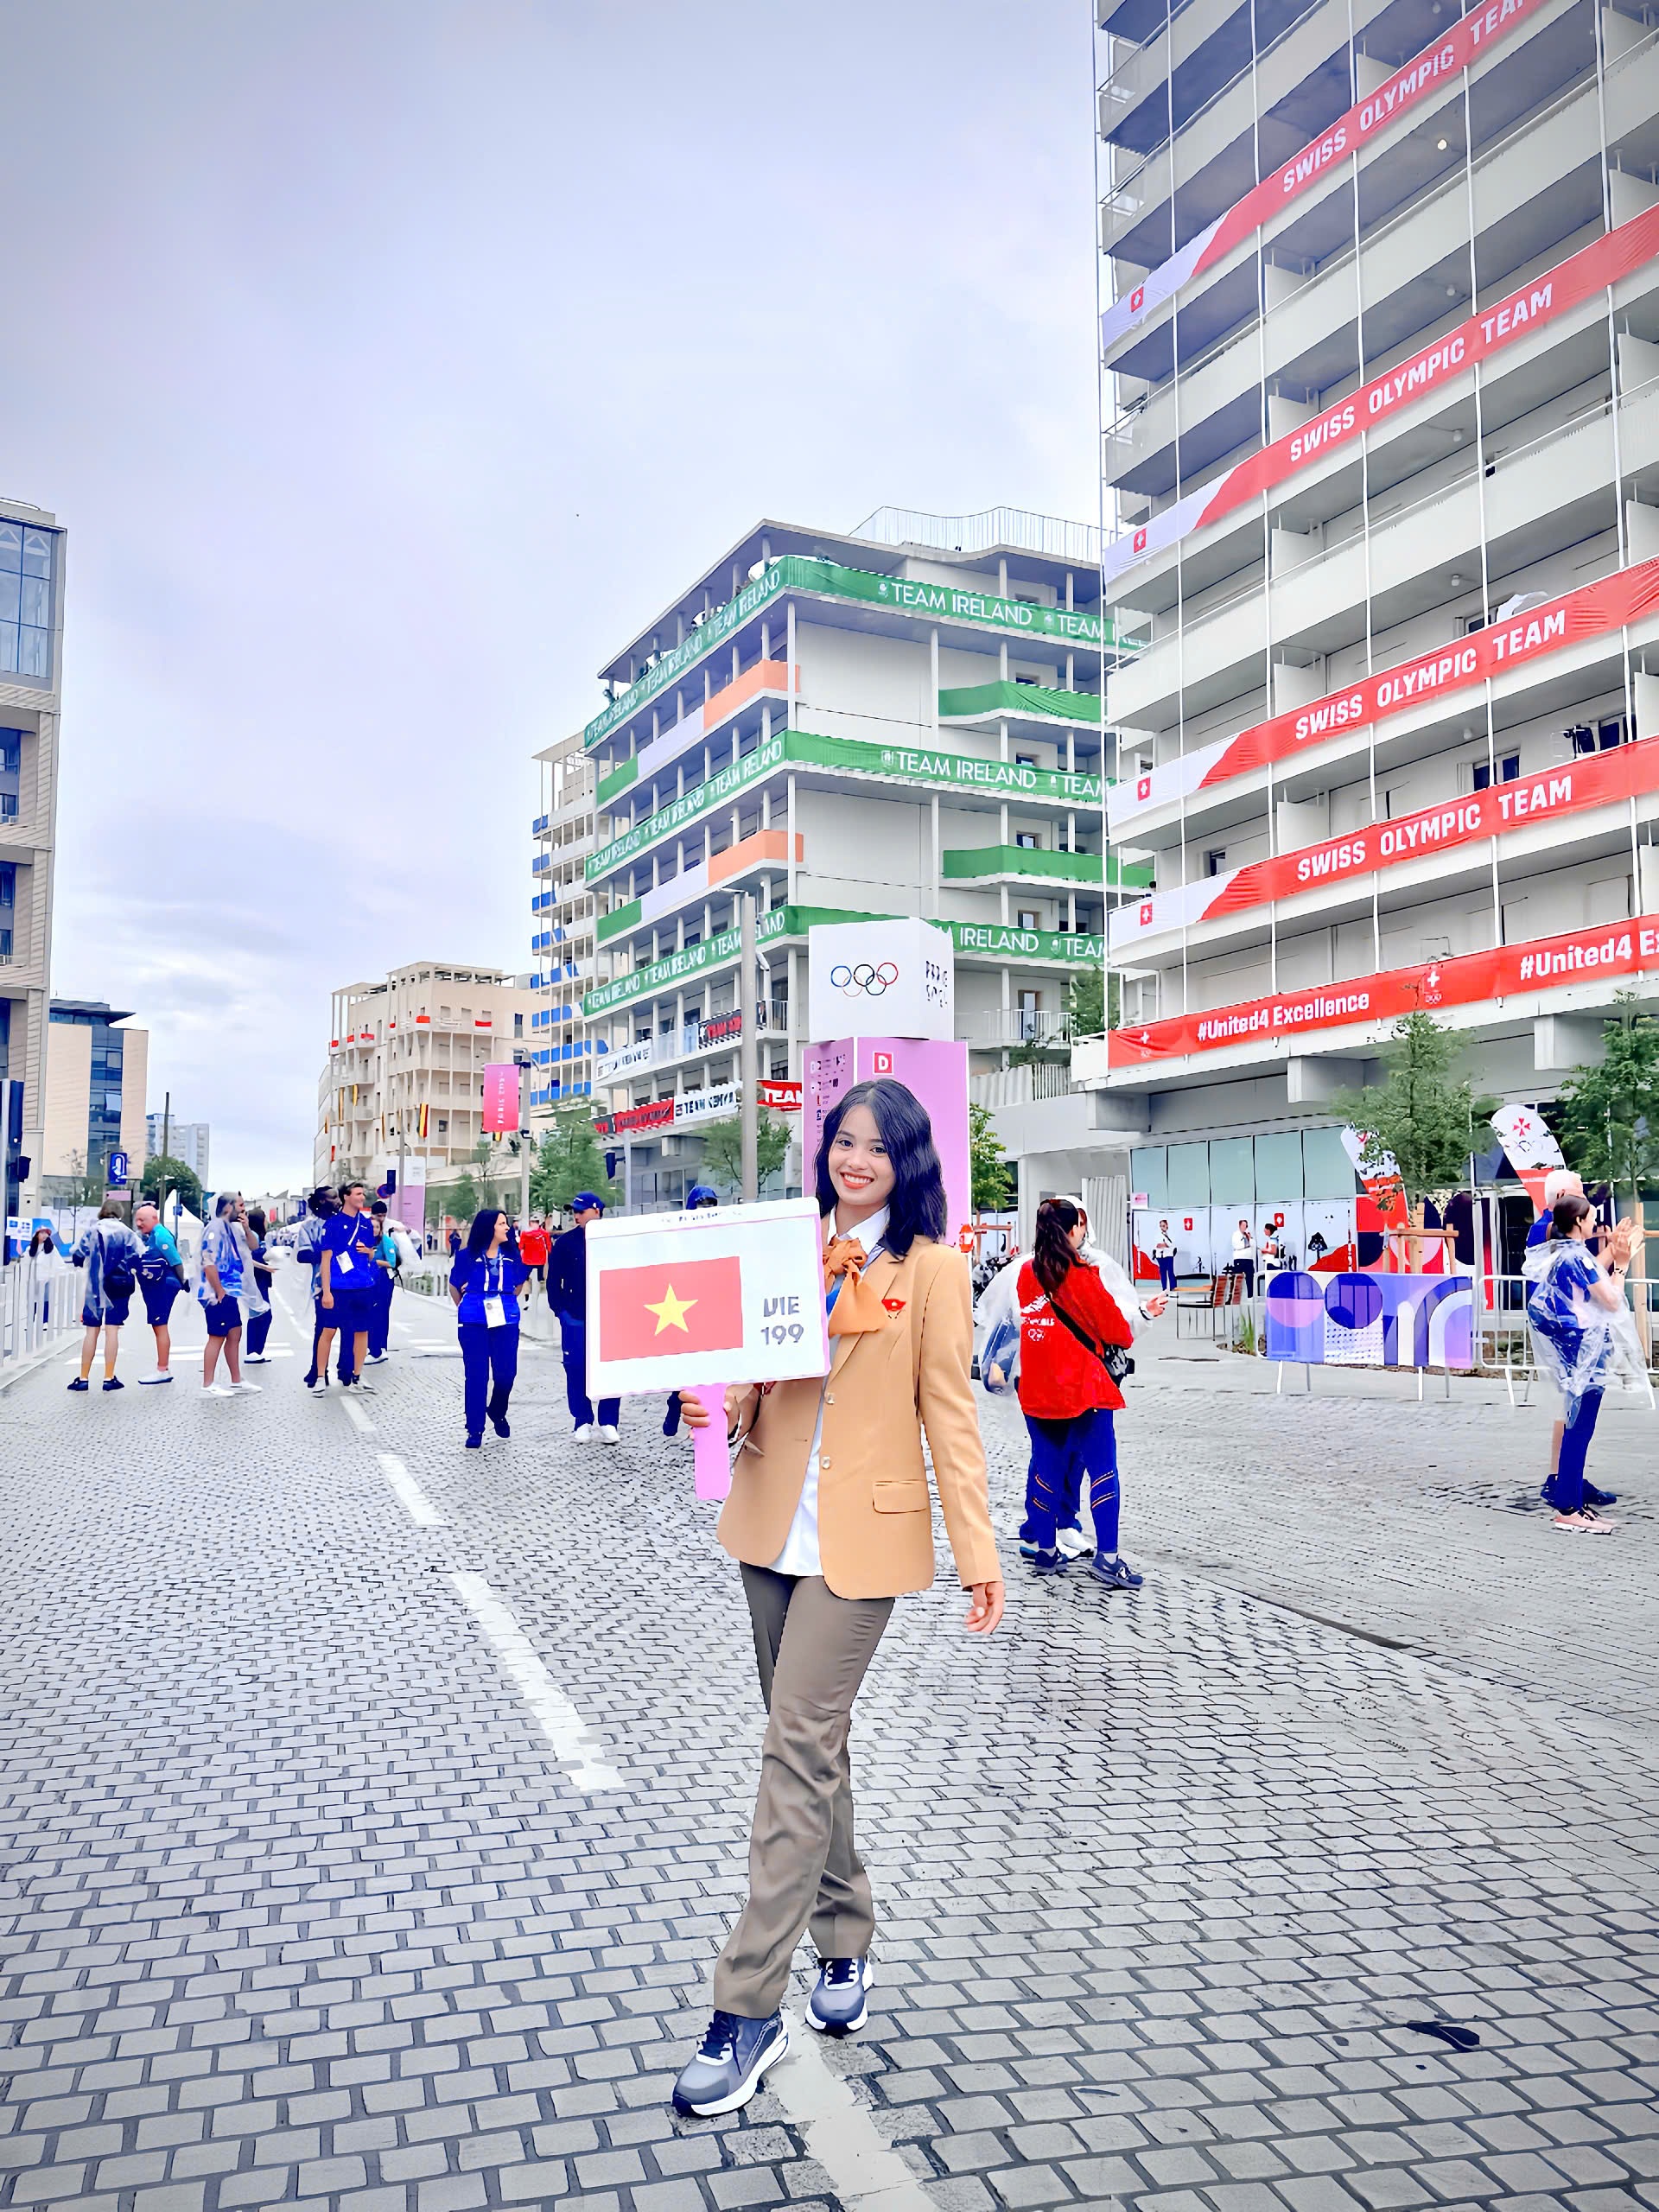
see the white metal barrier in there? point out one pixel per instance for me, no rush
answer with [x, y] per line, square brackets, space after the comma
[37, 1306]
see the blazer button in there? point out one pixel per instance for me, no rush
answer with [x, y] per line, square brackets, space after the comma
[829, 1398]
[823, 1462]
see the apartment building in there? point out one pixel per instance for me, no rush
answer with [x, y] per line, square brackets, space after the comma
[1380, 367]
[405, 1075]
[31, 656]
[96, 1072]
[188, 1141]
[905, 721]
[562, 937]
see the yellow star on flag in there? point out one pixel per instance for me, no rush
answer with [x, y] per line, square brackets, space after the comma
[671, 1313]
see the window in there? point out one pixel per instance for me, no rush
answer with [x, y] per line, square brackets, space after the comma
[1508, 768]
[1027, 919]
[1215, 860]
[1027, 839]
[1025, 760]
[25, 599]
[519, 1027]
[7, 884]
[443, 1126]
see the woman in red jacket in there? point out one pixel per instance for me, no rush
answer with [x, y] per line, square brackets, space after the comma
[1067, 1318]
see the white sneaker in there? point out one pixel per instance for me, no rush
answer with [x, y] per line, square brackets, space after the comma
[1072, 1544]
[256, 1359]
[608, 1435]
[361, 1385]
[160, 1376]
[377, 1359]
[254, 1388]
[584, 1432]
[217, 1390]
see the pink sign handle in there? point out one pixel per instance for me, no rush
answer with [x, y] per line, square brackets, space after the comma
[712, 1459]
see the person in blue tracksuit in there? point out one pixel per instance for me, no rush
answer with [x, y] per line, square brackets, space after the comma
[567, 1294]
[386, 1268]
[701, 1195]
[485, 1283]
[323, 1202]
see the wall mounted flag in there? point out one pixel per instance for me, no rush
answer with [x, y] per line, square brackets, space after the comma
[728, 1294]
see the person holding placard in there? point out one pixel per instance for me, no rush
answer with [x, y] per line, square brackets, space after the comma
[485, 1282]
[830, 1519]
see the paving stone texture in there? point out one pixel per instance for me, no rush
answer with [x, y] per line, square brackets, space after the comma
[299, 1906]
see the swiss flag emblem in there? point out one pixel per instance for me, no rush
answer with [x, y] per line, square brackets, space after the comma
[1137, 299]
[882, 1063]
[687, 1305]
[1146, 913]
[1143, 788]
[1141, 540]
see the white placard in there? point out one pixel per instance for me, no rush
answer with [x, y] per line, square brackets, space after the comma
[725, 1294]
[880, 979]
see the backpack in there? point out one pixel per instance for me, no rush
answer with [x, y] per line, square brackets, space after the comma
[120, 1281]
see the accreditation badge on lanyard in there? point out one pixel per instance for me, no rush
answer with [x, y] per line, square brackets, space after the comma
[495, 1306]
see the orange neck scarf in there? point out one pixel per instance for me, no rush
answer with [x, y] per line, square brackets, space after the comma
[857, 1309]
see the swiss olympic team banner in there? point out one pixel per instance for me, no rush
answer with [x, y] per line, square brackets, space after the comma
[1623, 949]
[1590, 611]
[1593, 781]
[1572, 282]
[1426, 72]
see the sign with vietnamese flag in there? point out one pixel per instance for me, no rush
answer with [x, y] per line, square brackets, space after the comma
[1435, 69]
[500, 1098]
[1628, 596]
[725, 1294]
[1524, 971]
[1572, 282]
[1576, 787]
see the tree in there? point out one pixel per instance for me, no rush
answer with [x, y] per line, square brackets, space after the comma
[1092, 1002]
[80, 1186]
[990, 1178]
[162, 1167]
[1421, 1115]
[1609, 1119]
[569, 1161]
[723, 1150]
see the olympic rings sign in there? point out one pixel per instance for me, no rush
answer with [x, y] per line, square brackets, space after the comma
[865, 980]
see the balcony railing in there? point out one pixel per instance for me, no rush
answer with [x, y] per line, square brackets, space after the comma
[1033, 533]
[1020, 1025]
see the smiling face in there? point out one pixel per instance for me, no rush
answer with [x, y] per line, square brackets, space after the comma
[860, 1170]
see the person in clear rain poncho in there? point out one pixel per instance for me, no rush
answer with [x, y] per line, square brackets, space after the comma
[1586, 1341]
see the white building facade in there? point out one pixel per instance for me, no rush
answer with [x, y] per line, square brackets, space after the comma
[903, 722]
[1380, 371]
[562, 905]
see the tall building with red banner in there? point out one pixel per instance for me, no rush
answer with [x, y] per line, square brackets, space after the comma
[1380, 356]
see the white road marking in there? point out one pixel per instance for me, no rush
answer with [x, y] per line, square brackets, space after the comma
[578, 1751]
[414, 1500]
[355, 1415]
[839, 2134]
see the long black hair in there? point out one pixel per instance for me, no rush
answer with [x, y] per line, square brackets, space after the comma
[1051, 1257]
[917, 1206]
[482, 1229]
[1565, 1215]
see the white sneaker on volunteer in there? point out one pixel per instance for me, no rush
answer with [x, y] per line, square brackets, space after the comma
[584, 1432]
[246, 1386]
[161, 1374]
[609, 1435]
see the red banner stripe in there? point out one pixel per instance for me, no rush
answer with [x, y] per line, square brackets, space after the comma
[1621, 948]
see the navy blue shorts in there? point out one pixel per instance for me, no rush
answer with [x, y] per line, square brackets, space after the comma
[158, 1299]
[113, 1318]
[349, 1312]
[222, 1316]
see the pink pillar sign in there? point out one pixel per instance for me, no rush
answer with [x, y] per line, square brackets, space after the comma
[500, 1098]
[712, 1459]
[934, 1068]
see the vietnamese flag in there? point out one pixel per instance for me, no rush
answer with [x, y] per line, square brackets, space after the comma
[681, 1306]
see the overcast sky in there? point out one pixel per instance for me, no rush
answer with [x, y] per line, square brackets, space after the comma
[389, 366]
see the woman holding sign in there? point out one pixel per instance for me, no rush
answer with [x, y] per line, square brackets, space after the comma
[484, 1283]
[830, 1519]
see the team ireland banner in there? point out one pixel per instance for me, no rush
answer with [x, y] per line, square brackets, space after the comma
[1435, 69]
[731, 1294]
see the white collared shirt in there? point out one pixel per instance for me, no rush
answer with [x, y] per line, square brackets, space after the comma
[800, 1552]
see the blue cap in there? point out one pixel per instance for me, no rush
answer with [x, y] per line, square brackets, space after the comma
[702, 1194]
[585, 1200]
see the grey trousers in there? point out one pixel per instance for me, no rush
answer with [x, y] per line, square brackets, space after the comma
[813, 1650]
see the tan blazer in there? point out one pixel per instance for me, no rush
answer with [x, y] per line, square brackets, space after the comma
[875, 1525]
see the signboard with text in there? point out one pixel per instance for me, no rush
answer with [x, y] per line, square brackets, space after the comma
[887, 979]
[500, 1098]
[725, 1294]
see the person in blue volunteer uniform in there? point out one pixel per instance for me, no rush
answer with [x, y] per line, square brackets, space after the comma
[567, 1294]
[109, 1253]
[385, 1266]
[259, 1324]
[226, 1265]
[701, 1195]
[350, 1242]
[161, 1278]
[1561, 1183]
[323, 1202]
[485, 1282]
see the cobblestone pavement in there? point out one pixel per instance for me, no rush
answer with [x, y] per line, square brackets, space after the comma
[373, 1810]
